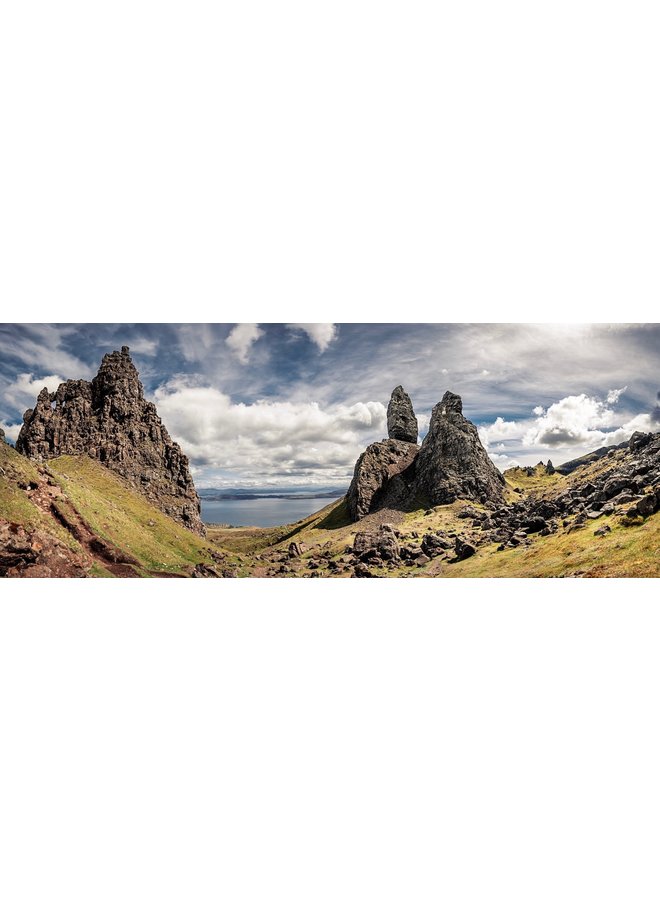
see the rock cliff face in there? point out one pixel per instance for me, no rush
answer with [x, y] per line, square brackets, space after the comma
[450, 464]
[401, 419]
[383, 477]
[109, 420]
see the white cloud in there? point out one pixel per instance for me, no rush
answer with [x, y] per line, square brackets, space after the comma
[538, 410]
[499, 430]
[573, 420]
[503, 461]
[143, 346]
[24, 390]
[41, 346]
[320, 333]
[613, 396]
[268, 439]
[241, 338]
[579, 420]
[11, 431]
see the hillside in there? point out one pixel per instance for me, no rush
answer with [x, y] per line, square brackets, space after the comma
[74, 517]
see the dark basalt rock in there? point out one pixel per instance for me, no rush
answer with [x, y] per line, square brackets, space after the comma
[383, 544]
[452, 462]
[401, 419]
[638, 440]
[109, 420]
[383, 477]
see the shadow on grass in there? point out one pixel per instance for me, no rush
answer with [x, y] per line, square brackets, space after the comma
[336, 518]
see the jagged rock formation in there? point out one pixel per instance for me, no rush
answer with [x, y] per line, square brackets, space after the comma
[109, 420]
[384, 476]
[452, 462]
[401, 419]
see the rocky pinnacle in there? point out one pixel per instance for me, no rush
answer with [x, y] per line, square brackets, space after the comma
[452, 462]
[401, 419]
[109, 420]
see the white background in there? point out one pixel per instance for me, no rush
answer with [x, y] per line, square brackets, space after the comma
[329, 162]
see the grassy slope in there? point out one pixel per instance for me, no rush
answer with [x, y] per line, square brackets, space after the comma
[118, 514]
[14, 503]
[624, 553]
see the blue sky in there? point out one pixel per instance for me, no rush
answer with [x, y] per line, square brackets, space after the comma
[287, 404]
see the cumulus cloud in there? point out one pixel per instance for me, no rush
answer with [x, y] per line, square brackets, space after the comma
[241, 338]
[579, 420]
[500, 430]
[572, 420]
[24, 390]
[267, 438]
[321, 334]
[11, 431]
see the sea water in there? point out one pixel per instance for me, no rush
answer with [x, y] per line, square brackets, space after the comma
[264, 511]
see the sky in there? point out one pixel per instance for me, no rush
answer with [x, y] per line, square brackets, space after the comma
[295, 404]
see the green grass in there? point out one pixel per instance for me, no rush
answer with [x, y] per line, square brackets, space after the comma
[622, 553]
[126, 519]
[539, 482]
[14, 503]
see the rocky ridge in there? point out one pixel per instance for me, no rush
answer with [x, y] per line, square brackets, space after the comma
[109, 420]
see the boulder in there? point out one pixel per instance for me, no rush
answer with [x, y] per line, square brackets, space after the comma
[534, 525]
[401, 419]
[638, 440]
[463, 550]
[644, 507]
[383, 544]
[616, 485]
[434, 544]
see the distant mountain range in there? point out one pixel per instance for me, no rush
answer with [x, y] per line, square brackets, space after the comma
[266, 494]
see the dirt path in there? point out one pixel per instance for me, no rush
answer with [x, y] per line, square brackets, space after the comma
[52, 501]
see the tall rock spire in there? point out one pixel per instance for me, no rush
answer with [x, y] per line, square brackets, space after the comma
[110, 421]
[452, 462]
[401, 419]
